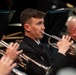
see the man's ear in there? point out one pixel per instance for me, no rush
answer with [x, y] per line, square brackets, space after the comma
[27, 27]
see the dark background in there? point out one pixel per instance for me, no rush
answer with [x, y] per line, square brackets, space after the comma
[43, 5]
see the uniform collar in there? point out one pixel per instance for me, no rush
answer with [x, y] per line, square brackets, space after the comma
[38, 42]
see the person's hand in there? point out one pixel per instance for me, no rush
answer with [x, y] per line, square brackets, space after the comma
[6, 65]
[64, 44]
[12, 51]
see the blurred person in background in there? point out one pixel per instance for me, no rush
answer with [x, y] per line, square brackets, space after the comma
[67, 71]
[71, 30]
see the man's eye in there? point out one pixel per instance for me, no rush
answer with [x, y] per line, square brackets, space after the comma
[39, 23]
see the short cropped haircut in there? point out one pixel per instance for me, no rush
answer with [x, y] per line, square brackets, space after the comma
[29, 13]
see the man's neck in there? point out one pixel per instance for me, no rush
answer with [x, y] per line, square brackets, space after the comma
[36, 40]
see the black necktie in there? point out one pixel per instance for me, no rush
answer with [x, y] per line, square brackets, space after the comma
[42, 48]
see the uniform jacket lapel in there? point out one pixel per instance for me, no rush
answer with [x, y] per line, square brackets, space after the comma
[36, 47]
[33, 44]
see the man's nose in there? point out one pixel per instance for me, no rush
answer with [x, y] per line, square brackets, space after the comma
[43, 27]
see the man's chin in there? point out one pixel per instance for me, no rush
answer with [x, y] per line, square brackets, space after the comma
[41, 37]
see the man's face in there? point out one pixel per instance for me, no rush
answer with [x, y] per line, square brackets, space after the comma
[72, 33]
[72, 28]
[36, 27]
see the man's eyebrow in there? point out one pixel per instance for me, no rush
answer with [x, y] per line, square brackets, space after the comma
[40, 22]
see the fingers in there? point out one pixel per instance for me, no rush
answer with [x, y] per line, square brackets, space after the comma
[3, 58]
[19, 52]
[12, 51]
[6, 60]
[66, 37]
[13, 45]
[13, 65]
[9, 63]
[64, 44]
[71, 42]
